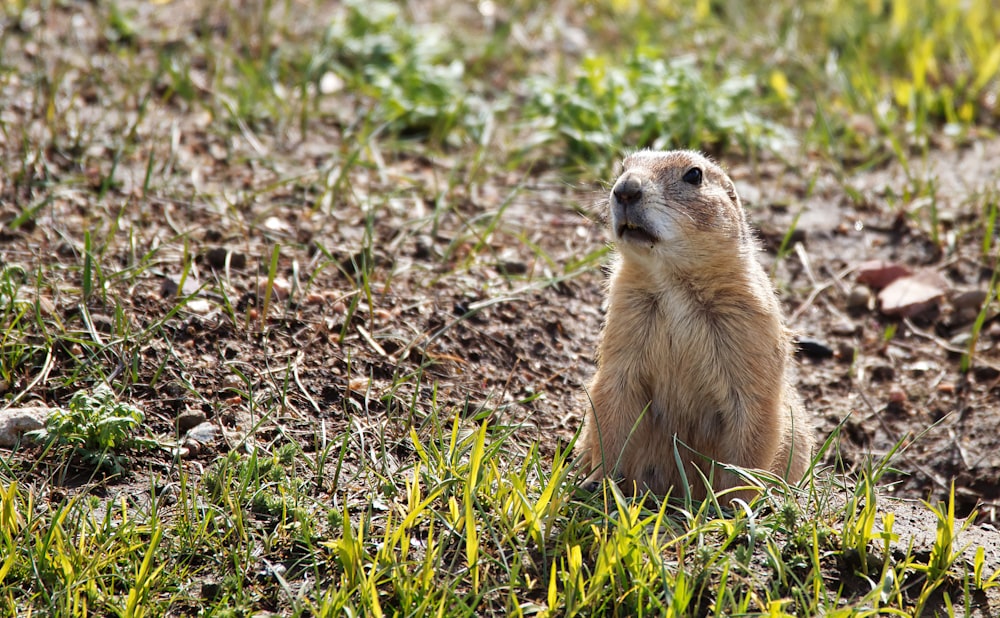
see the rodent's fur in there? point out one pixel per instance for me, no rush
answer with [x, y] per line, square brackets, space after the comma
[694, 345]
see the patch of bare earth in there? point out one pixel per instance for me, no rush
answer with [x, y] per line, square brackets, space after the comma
[384, 304]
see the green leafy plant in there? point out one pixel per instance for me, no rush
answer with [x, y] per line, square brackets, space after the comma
[95, 427]
[647, 102]
[412, 74]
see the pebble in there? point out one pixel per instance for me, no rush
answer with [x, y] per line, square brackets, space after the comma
[962, 316]
[969, 299]
[199, 306]
[512, 267]
[846, 353]
[203, 433]
[216, 258]
[170, 285]
[985, 373]
[860, 299]
[276, 224]
[424, 248]
[280, 288]
[882, 373]
[190, 418]
[844, 328]
[922, 366]
[14, 422]
[897, 395]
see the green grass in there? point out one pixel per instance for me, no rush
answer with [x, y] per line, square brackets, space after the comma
[391, 163]
[468, 527]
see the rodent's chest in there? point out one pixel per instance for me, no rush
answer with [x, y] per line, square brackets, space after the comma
[661, 335]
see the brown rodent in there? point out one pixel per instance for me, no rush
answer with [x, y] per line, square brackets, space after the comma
[694, 346]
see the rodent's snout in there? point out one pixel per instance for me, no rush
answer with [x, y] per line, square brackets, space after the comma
[628, 189]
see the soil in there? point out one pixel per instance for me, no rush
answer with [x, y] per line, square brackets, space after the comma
[481, 321]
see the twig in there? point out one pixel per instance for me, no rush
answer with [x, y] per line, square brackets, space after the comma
[298, 381]
[817, 290]
[371, 341]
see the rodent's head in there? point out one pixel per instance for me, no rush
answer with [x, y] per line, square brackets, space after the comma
[676, 204]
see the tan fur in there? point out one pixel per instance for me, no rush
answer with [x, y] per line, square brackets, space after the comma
[694, 345]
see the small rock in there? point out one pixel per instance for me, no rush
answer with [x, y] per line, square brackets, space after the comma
[190, 418]
[512, 267]
[922, 367]
[192, 448]
[877, 274]
[170, 285]
[912, 295]
[969, 299]
[203, 433]
[846, 353]
[14, 422]
[844, 328]
[985, 373]
[860, 299]
[216, 258]
[424, 248]
[330, 83]
[280, 288]
[961, 317]
[174, 389]
[993, 330]
[217, 151]
[897, 395]
[883, 373]
[210, 590]
[813, 348]
[275, 224]
[102, 323]
[199, 306]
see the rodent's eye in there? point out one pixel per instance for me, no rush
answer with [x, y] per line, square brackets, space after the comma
[693, 176]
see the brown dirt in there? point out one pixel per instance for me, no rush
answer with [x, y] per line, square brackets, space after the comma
[480, 316]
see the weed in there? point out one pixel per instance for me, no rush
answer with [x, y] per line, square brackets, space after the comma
[646, 101]
[95, 427]
[410, 73]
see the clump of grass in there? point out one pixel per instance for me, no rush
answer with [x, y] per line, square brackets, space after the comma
[96, 428]
[911, 67]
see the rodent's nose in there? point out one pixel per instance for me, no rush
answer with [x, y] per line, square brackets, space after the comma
[627, 190]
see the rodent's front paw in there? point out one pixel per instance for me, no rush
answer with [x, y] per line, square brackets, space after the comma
[593, 482]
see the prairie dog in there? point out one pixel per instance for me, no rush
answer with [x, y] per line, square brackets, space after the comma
[694, 344]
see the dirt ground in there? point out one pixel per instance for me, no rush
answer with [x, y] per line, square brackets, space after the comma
[470, 319]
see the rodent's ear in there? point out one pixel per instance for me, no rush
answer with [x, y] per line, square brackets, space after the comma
[731, 192]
